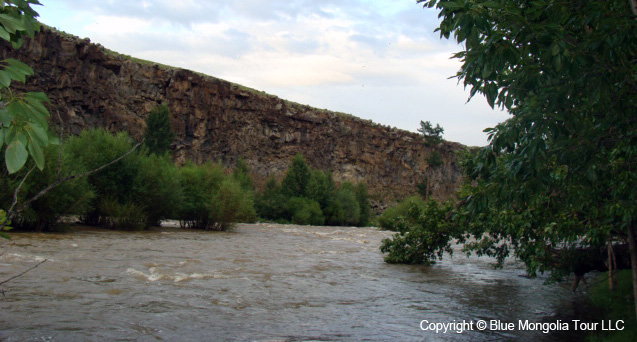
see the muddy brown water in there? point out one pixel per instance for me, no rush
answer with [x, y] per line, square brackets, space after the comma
[259, 282]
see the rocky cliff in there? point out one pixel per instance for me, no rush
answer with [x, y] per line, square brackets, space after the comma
[215, 120]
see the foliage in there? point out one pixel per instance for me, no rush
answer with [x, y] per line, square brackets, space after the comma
[70, 198]
[231, 203]
[395, 218]
[305, 211]
[614, 306]
[156, 186]
[23, 117]
[559, 174]
[213, 200]
[431, 134]
[362, 197]
[297, 178]
[96, 147]
[158, 135]
[140, 183]
[350, 212]
[424, 234]
[435, 159]
[271, 203]
[124, 216]
[310, 196]
[198, 182]
[5, 224]
[241, 173]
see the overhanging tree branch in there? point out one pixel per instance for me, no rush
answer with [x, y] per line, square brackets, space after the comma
[12, 213]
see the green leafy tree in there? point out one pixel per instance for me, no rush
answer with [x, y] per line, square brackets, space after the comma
[271, 203]
[424, 234]
[559, 174]
[241, 173]
[158, 135]
[431, 134]
[96, 147]
[23, 116]
[305, 211]
[297, 178]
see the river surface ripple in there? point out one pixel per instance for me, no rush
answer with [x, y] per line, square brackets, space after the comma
[259, 282]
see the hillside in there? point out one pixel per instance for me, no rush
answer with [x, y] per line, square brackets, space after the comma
[215, 120]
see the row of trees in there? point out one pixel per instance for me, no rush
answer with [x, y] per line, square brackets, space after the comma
[138, 191]
[144, 188]
[310, 196]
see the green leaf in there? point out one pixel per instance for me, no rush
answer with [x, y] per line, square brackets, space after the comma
[11, 23]
[4, 34]
[19, 66]
[5, 79]
[15, 74]
[15, 156]
[37, 135]
[36, 151]
[40, 96]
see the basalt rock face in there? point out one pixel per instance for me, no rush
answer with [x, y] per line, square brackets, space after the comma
[215, 120]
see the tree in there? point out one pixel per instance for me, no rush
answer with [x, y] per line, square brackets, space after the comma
[431, 134]
[158, 134]
[560, 173]
[297, 178]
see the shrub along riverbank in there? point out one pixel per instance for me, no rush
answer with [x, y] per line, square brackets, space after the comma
[144, 188]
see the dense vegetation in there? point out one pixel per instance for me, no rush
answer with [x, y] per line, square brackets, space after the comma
[134, 193]
[613, 307]
[559, 176]
[310, 196]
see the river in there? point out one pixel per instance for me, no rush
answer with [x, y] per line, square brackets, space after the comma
[260, 282]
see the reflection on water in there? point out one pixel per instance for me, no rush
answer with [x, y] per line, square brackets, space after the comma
[258, 283]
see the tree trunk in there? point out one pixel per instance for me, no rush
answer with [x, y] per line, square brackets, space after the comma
[632, 244]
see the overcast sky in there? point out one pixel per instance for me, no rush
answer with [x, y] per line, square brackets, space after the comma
[376, 59]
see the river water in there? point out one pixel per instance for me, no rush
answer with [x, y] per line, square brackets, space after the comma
[257, 283]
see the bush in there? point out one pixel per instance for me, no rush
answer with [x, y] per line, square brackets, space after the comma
[96, 147]
[69, 198]
[305, 211]
[198, 184]
[349, 213]
[211, 199]
[231, 204]
[156, 187]
[396, 217]
[127, 216]
[271, 204]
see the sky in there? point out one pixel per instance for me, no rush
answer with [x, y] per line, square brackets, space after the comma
[375, 59]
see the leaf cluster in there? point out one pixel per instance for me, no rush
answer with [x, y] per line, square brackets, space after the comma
[23, 117]
[559, 174]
